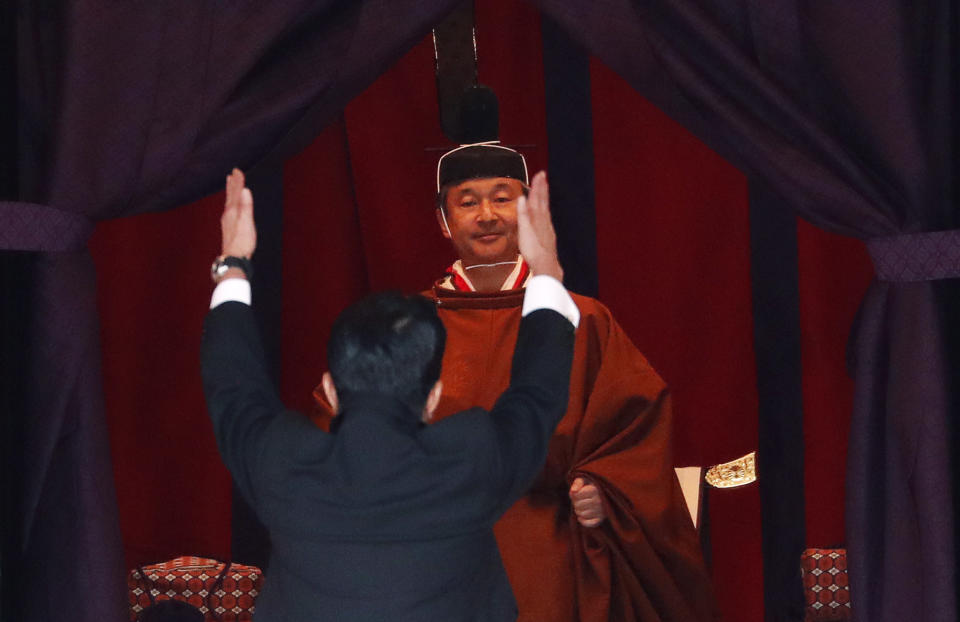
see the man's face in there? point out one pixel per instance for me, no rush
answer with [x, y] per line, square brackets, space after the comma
[482, 216]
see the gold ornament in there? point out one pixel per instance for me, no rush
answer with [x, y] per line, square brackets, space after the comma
[739, 472]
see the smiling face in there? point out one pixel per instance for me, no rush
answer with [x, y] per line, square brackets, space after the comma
[482, 216]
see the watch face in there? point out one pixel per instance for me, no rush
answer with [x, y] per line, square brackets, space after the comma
[223, 263]
[218, 268]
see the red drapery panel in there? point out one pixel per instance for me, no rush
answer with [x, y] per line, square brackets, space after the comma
[674, 261]
[834, 273]
[172, 489]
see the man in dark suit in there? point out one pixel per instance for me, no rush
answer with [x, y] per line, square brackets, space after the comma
[385, 518]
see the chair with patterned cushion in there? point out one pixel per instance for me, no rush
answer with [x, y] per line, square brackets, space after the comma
[221, 592]
[826, 585]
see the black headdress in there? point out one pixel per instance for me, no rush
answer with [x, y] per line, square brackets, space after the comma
[480, 153]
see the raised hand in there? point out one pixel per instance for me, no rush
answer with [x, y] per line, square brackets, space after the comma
[535, 235]
[236, 224]
[587, 504]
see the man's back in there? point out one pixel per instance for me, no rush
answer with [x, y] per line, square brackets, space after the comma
[385, 518]
[373, 491]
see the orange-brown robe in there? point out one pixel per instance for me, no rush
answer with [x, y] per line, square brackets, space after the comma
[644, 562]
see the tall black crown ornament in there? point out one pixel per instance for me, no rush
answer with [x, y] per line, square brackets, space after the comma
[480, 153]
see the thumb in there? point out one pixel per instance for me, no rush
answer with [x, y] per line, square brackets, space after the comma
[576, 486]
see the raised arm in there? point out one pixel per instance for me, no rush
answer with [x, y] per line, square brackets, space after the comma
[527, 413]
[237, 228]
[541, 245]
[239, 391]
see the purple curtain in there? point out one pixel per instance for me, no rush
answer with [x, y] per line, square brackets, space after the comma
[847, 111]
[126, 108]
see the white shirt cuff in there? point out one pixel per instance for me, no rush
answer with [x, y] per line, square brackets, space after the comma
[546, 292]
[231, 290]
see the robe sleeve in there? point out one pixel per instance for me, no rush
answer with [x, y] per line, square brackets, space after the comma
[644, 562]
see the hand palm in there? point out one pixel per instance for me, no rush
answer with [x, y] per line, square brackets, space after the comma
[535, 234]
[236, 224]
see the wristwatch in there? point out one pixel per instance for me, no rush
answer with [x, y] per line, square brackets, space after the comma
[224, 262]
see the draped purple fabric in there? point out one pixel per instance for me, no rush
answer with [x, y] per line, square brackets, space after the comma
[128, 108]
[847, 111]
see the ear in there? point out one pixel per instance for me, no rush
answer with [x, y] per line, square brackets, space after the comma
[433, 398]
[442, 221]
[331, 392]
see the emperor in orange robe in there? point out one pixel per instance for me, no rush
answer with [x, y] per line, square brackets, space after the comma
[644, 561]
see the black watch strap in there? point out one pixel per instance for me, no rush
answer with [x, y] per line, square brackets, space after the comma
[224, 262]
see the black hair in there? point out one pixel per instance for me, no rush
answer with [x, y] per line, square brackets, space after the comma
[387, 344]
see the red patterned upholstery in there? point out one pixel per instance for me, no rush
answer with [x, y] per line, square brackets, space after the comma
[825, 584]
[190, 579]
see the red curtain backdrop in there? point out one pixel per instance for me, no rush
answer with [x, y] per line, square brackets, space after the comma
[834, 274]
[152, 292]
[674, 265]
[673, 255]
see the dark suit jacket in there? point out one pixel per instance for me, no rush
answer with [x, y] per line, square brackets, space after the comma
[385, 519]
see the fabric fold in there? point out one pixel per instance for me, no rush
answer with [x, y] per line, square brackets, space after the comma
[910, 257]
[36, 227]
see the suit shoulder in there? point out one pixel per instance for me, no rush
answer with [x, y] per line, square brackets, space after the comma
[460, 430]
